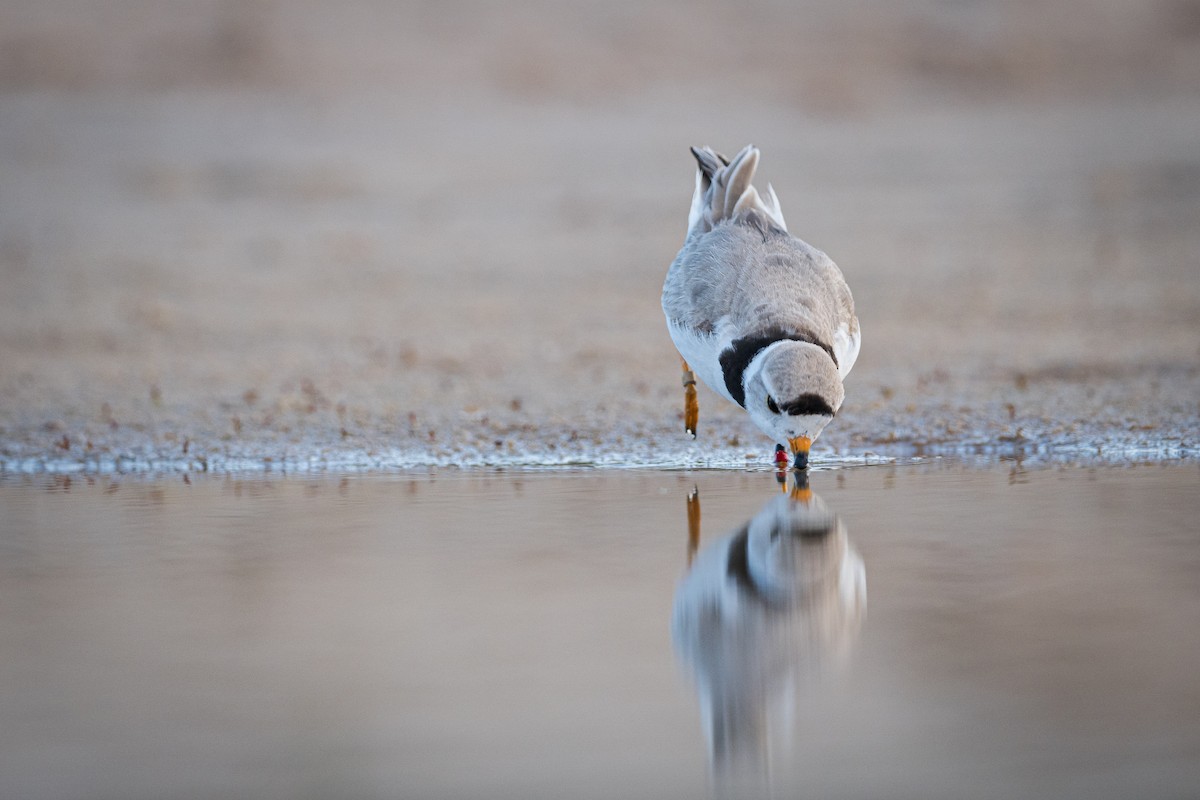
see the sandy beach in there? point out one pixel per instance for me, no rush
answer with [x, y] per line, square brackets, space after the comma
[374, 235]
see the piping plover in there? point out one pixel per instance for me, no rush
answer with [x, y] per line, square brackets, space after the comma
[764, 319]
[760, 612]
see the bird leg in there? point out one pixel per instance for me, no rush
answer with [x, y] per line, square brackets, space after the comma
[693, 524]
[781, 461]
[691, 405]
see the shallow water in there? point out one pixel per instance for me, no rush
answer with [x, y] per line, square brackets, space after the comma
[956, 631]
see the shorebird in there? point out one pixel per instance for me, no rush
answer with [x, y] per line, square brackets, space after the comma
[760, 613]
[763, 318]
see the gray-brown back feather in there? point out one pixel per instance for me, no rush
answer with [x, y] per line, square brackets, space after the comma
[758, 277]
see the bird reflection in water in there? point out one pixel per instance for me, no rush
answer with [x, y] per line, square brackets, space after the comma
[761, 612]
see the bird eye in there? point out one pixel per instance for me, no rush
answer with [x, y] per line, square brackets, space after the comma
[771, 405]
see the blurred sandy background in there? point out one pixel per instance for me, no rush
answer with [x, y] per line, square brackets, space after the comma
[236, 233]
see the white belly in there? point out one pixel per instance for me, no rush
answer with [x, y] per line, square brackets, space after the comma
[702, 353]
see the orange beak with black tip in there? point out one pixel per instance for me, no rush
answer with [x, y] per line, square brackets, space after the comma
[800, 492]
[800, 446]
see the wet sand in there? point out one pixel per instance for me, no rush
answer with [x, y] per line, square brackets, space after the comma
[374, 236]
[478, 634]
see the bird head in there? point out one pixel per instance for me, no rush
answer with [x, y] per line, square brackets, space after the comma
[793, 391]
[796, 548]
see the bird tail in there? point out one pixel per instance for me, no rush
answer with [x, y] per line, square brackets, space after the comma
[723, 190]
